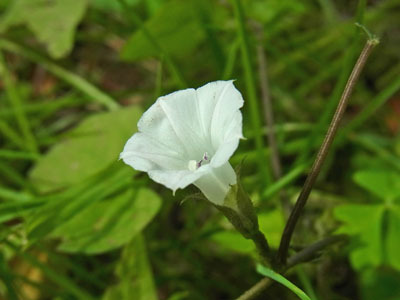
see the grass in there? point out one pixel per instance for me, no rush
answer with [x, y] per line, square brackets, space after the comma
[310, 48]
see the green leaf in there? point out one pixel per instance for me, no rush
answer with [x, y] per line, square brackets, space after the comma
[282, 280]
[134, 273]
[61, 207]
[272, 224]
[52, 21]
[393, 237]
[175, 27]
[112, 5]
[365, 223]
[381, 283]
[233, 241]
[108, 224]
[384, 184]
[89, 148]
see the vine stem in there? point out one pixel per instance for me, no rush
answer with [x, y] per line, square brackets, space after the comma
[322, 153]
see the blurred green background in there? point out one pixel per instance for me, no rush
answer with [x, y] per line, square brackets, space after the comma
[75, 77]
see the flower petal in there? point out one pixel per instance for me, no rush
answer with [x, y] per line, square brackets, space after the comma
[176, 179]
[144, 153]
[183, 127]
[180, 109]
[219, 103]
[216, 183]
[154, 123]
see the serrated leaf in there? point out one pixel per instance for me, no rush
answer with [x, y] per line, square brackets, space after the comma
[365, 223]
[282, 280]
[108, 224]
[134, 273]
[90, 148]
[52, 21]
[175, 27]
[385, 184]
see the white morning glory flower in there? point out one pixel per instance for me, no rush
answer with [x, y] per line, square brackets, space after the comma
[187, 137]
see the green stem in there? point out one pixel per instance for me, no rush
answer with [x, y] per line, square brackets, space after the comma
[73, 79]
[251, 90]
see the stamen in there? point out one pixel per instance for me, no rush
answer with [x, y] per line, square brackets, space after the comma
[192, 165]
[199, 163]
[205, 156]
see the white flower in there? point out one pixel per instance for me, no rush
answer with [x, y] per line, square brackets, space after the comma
[188, 137]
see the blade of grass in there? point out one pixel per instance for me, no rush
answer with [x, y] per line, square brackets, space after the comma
[11, 154]
[282, 280]
[284, 180]
[45, 107]
[372, 107]
[340, 85]
[74, 80]
[251, 91]
[175, 72]
[379, 151]
[8, 280]
[306, 282]
[63, 281]
[329, 10]
[16, 104]
[12, 136]
[14, 176]
[231, 60]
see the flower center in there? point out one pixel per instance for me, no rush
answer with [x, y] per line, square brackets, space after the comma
[193, 165]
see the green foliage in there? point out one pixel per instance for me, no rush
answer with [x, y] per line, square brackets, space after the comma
[75, 223]
[175, 27]
[86, 150]
[108, 5]
[380, 284]
[384, 184]
[375, 227]
[282, 280]
[271, 225]
[134, 274]
[53, 22]
[108, 224]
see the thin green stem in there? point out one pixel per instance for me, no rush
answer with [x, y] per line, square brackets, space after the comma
[17, 107]
[74, 80]
[251, 89]
[322, 153]
[305, 255]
